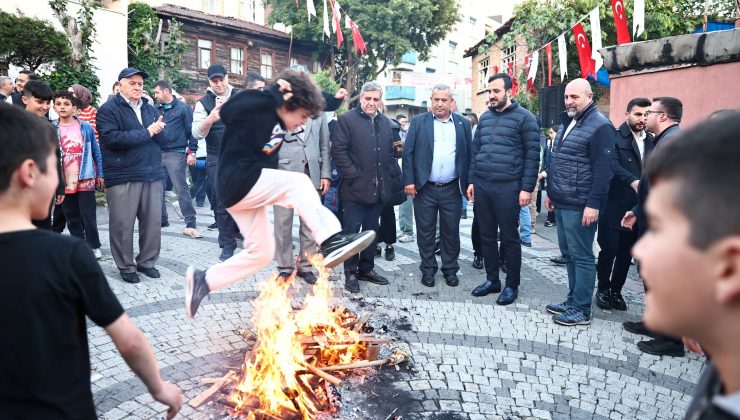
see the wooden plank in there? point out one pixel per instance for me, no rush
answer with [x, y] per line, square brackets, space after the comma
[203, 396]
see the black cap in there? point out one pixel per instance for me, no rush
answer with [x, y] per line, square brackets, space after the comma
[216, 70]
[130, 71]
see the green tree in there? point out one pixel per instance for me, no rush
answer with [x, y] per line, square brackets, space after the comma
[29, 42]
[78, 66]
[390, 29]
[149, 51]
[540, 21]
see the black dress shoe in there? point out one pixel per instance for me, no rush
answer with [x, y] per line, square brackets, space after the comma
[212, 226]
[308, 276]
[638, 328]
[165, 224]
[478, 262]
[350, 283]
[150, 272]
[451, 280]
[559, 260]
[427, 280]
[372, 277]
[132, 278]
[662, 347]
[604, 299]
[390, 253]
[618, 302]
[508, 296]
[486, 288]
[378, 251]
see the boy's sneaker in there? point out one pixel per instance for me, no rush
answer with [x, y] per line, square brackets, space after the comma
[196, 289]
[571, 317]
[98, 253]
[557, 308]
[226, 253]
[341, 246]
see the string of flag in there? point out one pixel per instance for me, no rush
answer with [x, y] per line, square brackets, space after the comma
[336, 14]
[588, 53]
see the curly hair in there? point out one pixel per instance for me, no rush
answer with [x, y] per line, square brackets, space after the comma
[306, 94]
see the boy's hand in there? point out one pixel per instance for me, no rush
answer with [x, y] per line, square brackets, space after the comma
[284, 88]
[58, 200]
[341, 94]
[100, 183]
[171, 396]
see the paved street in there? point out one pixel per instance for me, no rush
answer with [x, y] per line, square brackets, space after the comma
[472, 358]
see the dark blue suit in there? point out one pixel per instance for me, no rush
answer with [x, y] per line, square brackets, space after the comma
[432, 199]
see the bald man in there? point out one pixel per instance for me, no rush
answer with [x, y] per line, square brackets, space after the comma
[578, 183]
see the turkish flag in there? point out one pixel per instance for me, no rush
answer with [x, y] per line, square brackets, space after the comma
[336, 17]
[357, 37]
[584, 51]
[620, 21]
[548, 52]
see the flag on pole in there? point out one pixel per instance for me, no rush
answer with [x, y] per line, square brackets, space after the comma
[638, 18]
[534, 63]
[584, 51]
[326, 21]
[311, 9]
[356, 37]
[336, 22]
[346, 22]
[562, 57]
[596, 38]
[548, 53]
[620, 22]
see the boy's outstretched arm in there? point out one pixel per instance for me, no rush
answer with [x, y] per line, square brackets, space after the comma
[135, 349]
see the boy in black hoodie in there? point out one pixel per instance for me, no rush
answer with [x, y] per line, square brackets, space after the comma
[248, 182]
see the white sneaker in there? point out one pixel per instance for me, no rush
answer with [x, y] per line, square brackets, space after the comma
[98, 253]
[176, 206]
[406, 238]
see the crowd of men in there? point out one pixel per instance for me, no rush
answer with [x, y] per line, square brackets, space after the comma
[363, 164]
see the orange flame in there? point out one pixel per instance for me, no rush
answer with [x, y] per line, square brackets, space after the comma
[268, 379]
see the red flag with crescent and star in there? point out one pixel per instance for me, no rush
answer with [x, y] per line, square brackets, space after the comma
[357, 37]
[584, 51]
[336, 17]
[620, 22]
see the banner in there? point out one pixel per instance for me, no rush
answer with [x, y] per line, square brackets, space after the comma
[562, 57]
[620, 22]
[584, 51]
[638, 18]
[596, 38]
[311, 9]
[534, 64]
[326, 22]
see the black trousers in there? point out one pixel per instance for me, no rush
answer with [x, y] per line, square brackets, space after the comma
[475, 234]
[359, 217]
[55, 221]
[387, 233]
[614, 258]
[82, 221]
[497, 204]
[433, 200]
[226, 226]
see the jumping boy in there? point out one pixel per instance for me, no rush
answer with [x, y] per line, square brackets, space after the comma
[82, 170]
[690, 256]
[248, 182]
[50, 284]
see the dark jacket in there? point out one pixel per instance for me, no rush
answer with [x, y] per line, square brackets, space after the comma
[418, 150]
[362, 148]
[581, 164]
[706, 405]
[179, 119]
[644, 187]
[18, 99]
[506, 147]
[129, 154]
[627, 167]
[216, 133]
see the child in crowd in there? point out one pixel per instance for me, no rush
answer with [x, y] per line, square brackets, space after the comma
[82, 170]
[248, 182]
[87, 112]
[51, 283]
[690, 256]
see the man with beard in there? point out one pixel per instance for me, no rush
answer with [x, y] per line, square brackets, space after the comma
[502, 174]
[579, 176]
[633, 145]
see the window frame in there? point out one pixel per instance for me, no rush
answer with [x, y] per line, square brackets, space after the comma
[213, 51]
[245, 61]
[271, 53]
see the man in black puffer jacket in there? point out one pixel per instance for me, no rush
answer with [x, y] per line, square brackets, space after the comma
[501, 176]
[578, 184]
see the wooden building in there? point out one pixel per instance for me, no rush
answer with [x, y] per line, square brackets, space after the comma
[241, 47]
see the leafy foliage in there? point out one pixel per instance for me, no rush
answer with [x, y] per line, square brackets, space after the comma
[29, 42]
[161, 60]
[390, 29]
[324, 80]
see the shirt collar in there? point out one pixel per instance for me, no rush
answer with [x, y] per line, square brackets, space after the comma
[446, 120]
[639, 137]
[131, 103]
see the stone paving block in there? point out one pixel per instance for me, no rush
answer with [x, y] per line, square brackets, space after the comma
[450, 405]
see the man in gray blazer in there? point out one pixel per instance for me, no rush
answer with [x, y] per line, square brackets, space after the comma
[305, 150]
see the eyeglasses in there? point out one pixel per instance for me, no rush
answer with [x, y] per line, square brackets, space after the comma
[648, 112]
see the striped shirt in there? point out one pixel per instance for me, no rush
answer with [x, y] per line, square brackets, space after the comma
[90, 115]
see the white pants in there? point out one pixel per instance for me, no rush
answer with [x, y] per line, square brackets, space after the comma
[274, 187]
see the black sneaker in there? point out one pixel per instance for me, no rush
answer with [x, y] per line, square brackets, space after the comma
[212, 226]
[638, 328]
[165, 224]
[308, 276]
[226, 253]
[618, 302]
[378, 251]
[196, 289]
[604, 299]
[662, 347]
[390, 253]
[559, 260]
[341, 246]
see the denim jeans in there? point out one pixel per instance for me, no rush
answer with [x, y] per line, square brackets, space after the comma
[525, 224]
[576, 244]
[406, 217]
